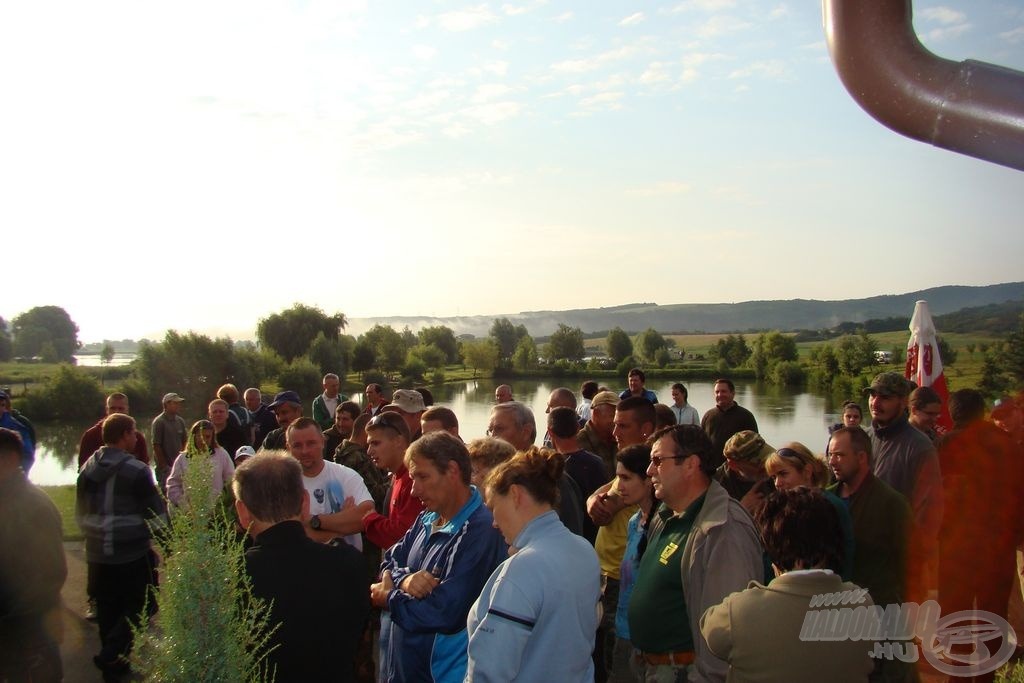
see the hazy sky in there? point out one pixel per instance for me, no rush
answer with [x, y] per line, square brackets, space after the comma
[198, 165]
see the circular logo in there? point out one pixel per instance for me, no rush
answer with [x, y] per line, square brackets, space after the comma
[968, 628]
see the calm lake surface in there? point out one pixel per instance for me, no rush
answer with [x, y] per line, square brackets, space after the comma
[782, 414]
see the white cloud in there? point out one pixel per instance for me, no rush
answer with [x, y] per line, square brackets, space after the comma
[771, 69]
[694, 59]
[779, 11]
[721, 24]
[1014, 35]
[562, 18]
[498, 68]
[656, 72]
[632, 19]
[576, 66]
[424, 52]
[943, 15]
[939, 34]
[490, 91]
[466, 19]
[515, 10]
[604, 100]
[493, 113]
[702, 5]
[660, 189]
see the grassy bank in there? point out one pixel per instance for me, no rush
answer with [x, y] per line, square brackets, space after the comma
[64, 498]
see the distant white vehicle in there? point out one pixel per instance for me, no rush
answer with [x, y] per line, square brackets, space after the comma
[883, 357]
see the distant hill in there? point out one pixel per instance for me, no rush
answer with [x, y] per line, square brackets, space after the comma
[747, 316]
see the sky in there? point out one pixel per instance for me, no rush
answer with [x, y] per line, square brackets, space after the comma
[200, 165]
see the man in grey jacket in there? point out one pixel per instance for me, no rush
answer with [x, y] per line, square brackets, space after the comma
[703, 546]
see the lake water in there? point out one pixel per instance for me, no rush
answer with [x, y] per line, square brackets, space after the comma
[782, 415]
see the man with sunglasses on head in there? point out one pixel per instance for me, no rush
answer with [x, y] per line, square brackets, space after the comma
[702, 546]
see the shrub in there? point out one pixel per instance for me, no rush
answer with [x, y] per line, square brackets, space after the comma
[70, 394]
[302, 376]
[789, 373]
[209, 627]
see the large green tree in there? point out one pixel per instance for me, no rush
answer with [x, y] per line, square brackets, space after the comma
[618, 345]
[506, 336]
[770, 349]
[6, 346]
[332, 355]
[566, 342]
[649, 342]
[194, 365]
[38, 326]
[481, 354]
[388, 347]
[443, 338]
[291, 332]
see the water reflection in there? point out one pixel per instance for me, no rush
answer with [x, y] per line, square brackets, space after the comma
[782, 414]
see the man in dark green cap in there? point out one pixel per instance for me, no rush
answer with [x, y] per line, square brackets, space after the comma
[906, 460]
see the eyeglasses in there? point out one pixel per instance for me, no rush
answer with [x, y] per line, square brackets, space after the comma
[788, 453]
[658, 459]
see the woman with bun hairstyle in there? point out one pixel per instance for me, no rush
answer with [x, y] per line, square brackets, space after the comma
[536, 617]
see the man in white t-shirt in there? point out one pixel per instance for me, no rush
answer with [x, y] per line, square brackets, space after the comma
[331, 486]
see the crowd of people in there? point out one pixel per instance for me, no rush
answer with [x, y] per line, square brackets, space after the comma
[639, 542]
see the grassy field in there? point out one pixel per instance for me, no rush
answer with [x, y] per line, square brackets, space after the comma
[64, 498]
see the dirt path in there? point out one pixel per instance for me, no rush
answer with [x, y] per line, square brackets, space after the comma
[81, 637]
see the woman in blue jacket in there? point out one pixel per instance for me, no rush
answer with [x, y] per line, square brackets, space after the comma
[537, 615]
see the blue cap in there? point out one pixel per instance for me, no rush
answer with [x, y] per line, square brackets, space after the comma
[285, 397]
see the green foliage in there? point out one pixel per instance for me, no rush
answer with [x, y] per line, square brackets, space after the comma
[648, 343]
[70, 394]
[194, 365]
[363, 356]
[6, 345]
[855, 353]
[993, 376]
[291, 332]
[48, 353]
[332, 355]
[1012, 355]
[107, 353]
[438, 377]
[388, 347]
[618, 345]
[770, 349]
[897, 355]
[303, 377]
[566, 342]
[210, 627]
[443, 338]
[506, 336]
[37, 326]
[788, 373]
[525, 357]
[413, 370]
[408, 338]
[480, 355]
[427, 354]
[374, 377]
[626, 364]
[662, 357]
[946, 352]
[730, 352]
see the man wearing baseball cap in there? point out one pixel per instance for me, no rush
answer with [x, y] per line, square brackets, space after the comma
[169, 434]
[287, 407]
[906, 460]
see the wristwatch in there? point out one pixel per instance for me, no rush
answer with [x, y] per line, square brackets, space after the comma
[314, 522]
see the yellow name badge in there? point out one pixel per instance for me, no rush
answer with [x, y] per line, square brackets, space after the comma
[667, 552]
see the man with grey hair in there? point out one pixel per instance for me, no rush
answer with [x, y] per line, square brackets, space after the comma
[503, 394]
[326, 403]
[514, 422]
[319, 629]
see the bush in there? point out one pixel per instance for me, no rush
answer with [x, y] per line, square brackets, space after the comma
[375, 377]
[789, 373]
[303, 377]
[627, 364]
[209, 627]
[70, 394]
[437, 377]
[413, 370]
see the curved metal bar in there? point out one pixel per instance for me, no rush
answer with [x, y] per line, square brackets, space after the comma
[969, 107]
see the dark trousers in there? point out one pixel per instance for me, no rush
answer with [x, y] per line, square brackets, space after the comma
[121, 591]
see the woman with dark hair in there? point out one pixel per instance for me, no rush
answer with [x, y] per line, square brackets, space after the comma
[635, 488]
[201, 442]
[537, 615]
[762, 631]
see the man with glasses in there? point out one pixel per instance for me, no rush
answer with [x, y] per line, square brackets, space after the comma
[703, 546]
[925, 411]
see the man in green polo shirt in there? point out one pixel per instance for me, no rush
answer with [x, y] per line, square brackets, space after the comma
[703, 546]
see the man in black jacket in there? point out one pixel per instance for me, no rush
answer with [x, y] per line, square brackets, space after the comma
[320, 592]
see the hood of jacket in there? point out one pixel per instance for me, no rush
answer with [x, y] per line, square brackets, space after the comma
[106, 462]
